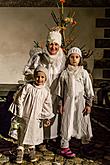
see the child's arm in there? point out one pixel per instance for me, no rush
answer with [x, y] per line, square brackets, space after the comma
[14, 105]
[60, 107]
[47, 111]
[60, 90]
[20, 100]
[89, 93]
[87, 110]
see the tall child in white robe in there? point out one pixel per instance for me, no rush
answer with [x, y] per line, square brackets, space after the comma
[34, 106]
[76, 93]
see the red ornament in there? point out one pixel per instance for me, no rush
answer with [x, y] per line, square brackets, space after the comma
[62, 1]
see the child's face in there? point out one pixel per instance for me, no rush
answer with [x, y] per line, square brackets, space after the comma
[40, 78]
[74, 59]
[53, 48]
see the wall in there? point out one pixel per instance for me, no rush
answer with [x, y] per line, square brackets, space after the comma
[19, 27]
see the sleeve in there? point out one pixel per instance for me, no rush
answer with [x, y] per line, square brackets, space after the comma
[31, 65]
[20, 100]
[47, 111]
[89, 93]
[61, 88]
[33, 62]
[14, 105]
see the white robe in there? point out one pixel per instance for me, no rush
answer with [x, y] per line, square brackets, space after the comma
[74, 88]
[34, 104]
[55, 64]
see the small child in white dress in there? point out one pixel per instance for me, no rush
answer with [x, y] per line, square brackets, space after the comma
[76, 93]
[34, 110]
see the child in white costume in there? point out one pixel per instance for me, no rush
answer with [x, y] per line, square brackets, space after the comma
[53, 58]
[76, 93]
[34, 106]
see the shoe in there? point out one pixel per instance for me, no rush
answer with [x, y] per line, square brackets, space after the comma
[42, 148]
[20, 153]
[66, 152]
[32, 154]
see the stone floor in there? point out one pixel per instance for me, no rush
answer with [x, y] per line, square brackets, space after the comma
[96, 153]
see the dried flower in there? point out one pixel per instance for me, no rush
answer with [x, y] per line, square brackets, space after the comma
[74, 22]
[67, 20]
[70, 20]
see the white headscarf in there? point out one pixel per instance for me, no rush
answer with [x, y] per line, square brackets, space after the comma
[74, 50]
[42, 69]
[54, 36]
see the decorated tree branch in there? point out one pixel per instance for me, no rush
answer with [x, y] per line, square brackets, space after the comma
[62, 24]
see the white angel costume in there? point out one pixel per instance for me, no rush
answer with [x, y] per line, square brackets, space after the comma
[75, 90]
[34, 104]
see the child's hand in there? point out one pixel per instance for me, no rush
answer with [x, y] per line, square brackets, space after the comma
[46, 122]
[19, 119]
[60, 109]
[87, 110]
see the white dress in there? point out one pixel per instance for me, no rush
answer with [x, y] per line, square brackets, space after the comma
[75, 90]
[34, 104]
[55, 64]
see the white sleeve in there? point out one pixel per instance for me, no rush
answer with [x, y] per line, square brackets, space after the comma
[47, 111]
[89, 93]
[20, 100]
[31, 64]
[61, 86]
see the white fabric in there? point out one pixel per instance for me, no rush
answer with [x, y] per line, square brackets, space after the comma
[55, 65]
[64, 143]
[54, 36]
[73, 85]
[74, 50]
[34, 104]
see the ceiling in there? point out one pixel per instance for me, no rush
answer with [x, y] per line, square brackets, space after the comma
[53, 3]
